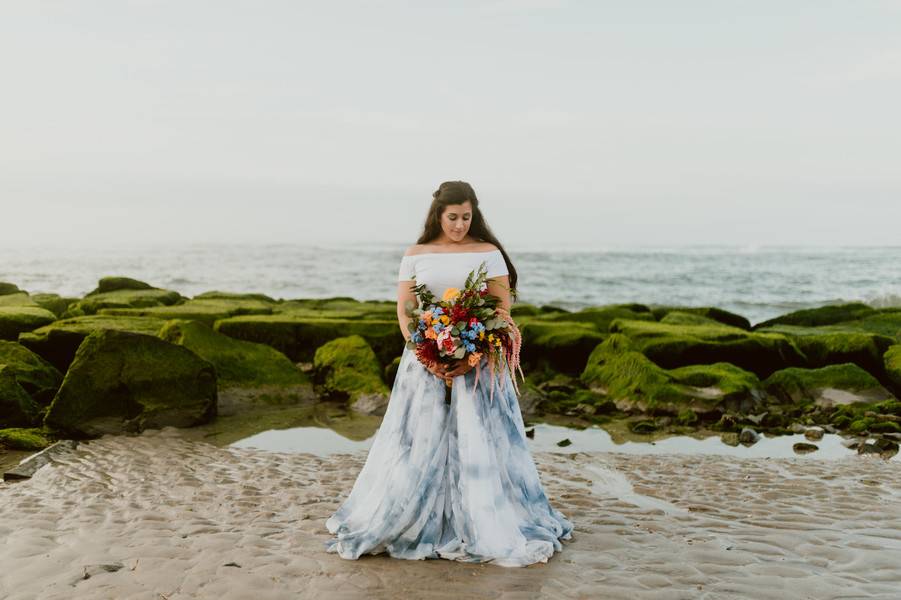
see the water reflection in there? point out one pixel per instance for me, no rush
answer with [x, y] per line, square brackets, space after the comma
[322, 441]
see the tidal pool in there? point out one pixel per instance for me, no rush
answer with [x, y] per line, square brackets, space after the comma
[323, 441]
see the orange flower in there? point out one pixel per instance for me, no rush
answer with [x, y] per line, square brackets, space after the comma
[430, 334]
[474, 358]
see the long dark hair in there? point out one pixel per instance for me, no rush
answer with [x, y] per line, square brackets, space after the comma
[458, 192]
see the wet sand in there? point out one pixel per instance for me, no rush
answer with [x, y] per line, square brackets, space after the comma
[158, 516]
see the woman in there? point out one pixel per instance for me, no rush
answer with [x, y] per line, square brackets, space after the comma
[458, 481]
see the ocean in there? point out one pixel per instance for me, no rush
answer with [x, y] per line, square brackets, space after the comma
[757, 282]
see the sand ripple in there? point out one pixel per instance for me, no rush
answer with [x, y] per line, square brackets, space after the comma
[158, 516]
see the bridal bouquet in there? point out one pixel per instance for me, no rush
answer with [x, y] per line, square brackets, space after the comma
[466, 325]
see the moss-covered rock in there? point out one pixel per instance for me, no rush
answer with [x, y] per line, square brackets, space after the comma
[37, 377]
[824, 315]
[8, 288]
[347, 368]
[17, 408]
[683, 318]
[21, 319]
[58, 341]
[217, 295]
[672, 346]
[237, 363]
[827, 386]
[298, 337]
[892, 360]
[114, 284]
[562, 345]
[338, 308]
[121, 381]
[711, 313]
[17, 299]
[206, 310]
[24, 439]
[617, 370]
[53, 302]
[127, 298]
[602, 316]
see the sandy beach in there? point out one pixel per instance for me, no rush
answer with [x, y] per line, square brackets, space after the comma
[157, 516]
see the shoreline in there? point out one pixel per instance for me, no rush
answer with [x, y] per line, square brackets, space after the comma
[170, 516]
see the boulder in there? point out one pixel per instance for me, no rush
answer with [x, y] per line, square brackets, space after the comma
[122, 298]
[205, 310]
[561, 345]
[892, 360]
[8, 288]
[823, 347]
[216, 295]
[37, 377]
[22, 319]
[824, 315]
[710, 313]
[114, 284]
[602, 316]
[17, 299]
[298, 337]
[628, 377]
[121, 381]
[826, 387]
[346, 368]
[17, 408]
[237, 363]
[57, 342]
[24, 439]
[55, 303]
[671, 346]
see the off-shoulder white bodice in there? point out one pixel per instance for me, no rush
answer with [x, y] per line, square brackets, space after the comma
[442, 270]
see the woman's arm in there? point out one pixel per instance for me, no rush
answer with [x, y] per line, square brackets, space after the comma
[404, 294]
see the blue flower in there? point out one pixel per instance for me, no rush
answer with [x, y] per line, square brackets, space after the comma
[470, 347]
[416, 337]
[437, 311]
[437, 327]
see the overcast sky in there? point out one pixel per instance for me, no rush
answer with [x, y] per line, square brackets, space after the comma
[579, 123]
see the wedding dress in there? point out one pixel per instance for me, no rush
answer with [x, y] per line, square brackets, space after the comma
[455, 482]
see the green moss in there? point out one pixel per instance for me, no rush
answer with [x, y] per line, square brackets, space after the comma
[207, 311]
[885, 427]
[17, 408]
[22, 319]
[298, 337]
[37, 377]
[17, 299]
[561, 345]
[216, 295]
[796, 385]
[121, 381]
[347, 367]
[703, 315]
[601, 316]
[113, 284]
[58, 341]
[671, 346]
[94, 303]
[237, 363]
[824, 315]
[8, 288]
[524, 310]
[892, 361]
[53, 302]
[24, 439]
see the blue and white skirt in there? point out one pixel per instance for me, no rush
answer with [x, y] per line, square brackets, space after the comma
[449, 481]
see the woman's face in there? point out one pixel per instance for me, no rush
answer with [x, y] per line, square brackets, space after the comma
[456, 219]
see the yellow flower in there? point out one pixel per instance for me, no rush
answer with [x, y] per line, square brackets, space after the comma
[444, 319]
[482, 334]
[450, 294]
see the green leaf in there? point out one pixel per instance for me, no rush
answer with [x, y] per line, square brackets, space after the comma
[460, 352]
[411, 327]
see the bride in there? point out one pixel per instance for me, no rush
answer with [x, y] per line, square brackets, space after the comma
[450, 481]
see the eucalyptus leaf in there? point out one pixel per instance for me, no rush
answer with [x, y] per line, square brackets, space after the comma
[460, 352]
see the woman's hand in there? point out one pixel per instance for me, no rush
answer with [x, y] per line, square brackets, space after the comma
[436, 368]
[458, 367]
